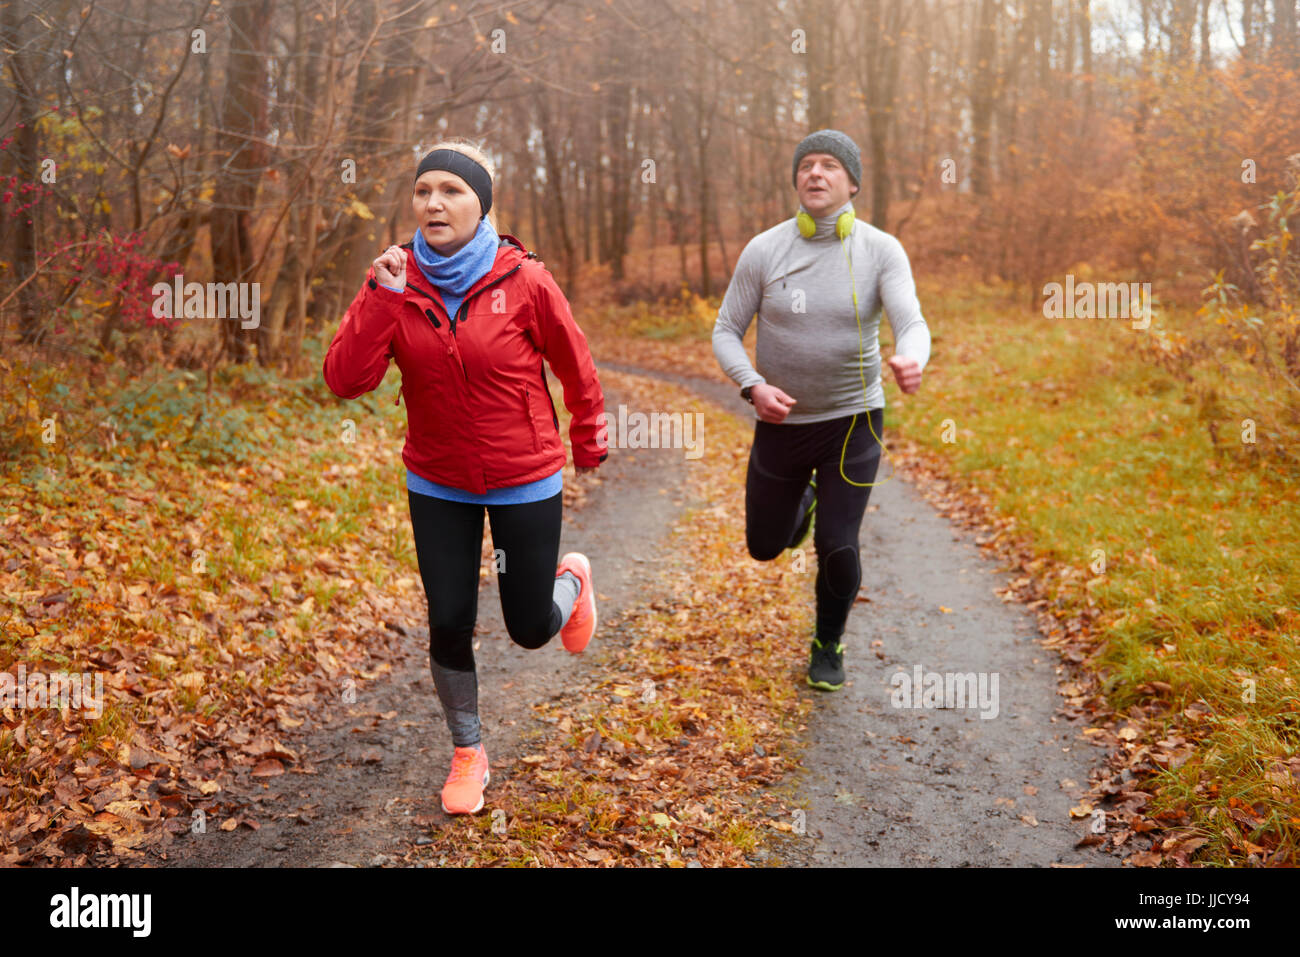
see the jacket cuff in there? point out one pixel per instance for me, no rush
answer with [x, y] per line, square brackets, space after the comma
[375, 284]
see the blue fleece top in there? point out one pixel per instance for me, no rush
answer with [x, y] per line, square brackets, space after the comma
[452, 276]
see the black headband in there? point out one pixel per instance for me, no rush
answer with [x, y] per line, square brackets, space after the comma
[467, 169]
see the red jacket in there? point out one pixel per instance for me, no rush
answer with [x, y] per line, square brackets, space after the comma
[479, 413]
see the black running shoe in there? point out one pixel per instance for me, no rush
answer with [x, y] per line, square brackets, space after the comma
[809, 504]
[826, 666]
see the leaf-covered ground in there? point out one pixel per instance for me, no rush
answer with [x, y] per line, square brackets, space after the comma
[227, 608]
[1164, 568]
[662, 757]
[221, 606]
[232, 572]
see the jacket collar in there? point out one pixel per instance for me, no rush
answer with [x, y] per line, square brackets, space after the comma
[510, 253]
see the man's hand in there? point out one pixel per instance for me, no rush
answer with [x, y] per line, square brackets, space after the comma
[771, 404]
[907, 372]
[390, 267]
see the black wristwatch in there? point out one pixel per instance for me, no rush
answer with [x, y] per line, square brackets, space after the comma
[747, 394]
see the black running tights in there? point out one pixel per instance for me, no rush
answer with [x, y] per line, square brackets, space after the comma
[781, 462]
[448, 546]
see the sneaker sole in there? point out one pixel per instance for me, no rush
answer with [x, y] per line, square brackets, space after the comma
[824, 685]
[487, 776]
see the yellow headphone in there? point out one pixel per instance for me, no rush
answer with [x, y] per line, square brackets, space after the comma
[843, 230]
[807, 225]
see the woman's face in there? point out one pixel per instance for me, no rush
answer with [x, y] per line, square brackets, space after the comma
[447, 210]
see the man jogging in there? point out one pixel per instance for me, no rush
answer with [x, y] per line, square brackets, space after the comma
[818, 282]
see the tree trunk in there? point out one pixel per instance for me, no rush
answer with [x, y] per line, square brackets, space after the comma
[620, 157]
[885, 22]
[1284, 32]
[243, 154]
[27, 155]
[556, 213]
[1248, 28]
[982, 98]
[819, 19]
[706, 196]
[1085, 34]
[1045, 31]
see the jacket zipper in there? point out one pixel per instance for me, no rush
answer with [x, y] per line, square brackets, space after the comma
[432, 317]
[532, 423]
[460, 313]
[464, 305]
[555, 418]
[430, 296]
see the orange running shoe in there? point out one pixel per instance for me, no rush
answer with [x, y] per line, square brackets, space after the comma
[581, 625]
[463, 792]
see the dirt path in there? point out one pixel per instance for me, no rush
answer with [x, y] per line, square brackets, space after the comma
[897, 786]
[379, 764]
[880, 786]
[936, 787]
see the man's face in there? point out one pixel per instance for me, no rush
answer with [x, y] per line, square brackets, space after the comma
[823, 184]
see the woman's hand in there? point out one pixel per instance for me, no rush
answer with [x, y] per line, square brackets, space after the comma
[390, 267]
[584, 470]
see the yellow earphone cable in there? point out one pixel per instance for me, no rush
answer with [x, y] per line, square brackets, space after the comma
[863, 376]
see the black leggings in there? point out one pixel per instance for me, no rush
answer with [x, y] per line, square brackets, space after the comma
[448, 546]
[781, 463]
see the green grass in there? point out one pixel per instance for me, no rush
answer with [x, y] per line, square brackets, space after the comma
[1108, 469]
[687, 317]
[1186, 553]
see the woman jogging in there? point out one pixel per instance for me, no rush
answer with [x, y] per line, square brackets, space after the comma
[469, 317]
[817, 283]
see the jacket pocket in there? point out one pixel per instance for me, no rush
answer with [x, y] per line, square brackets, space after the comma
[532, 422]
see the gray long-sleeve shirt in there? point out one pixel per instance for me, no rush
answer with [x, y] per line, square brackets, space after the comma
[807, 333]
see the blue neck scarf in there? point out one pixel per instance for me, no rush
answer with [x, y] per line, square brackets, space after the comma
[453, 275]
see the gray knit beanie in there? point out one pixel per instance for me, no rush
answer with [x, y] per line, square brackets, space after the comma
[836, 144]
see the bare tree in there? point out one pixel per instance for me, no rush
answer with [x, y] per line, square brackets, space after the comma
[984, 97]
[243, 151]
[883, 23]
[22, 69]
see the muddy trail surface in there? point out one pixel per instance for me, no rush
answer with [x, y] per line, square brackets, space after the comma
[880, 785]
[889, 778]
[367, 783]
